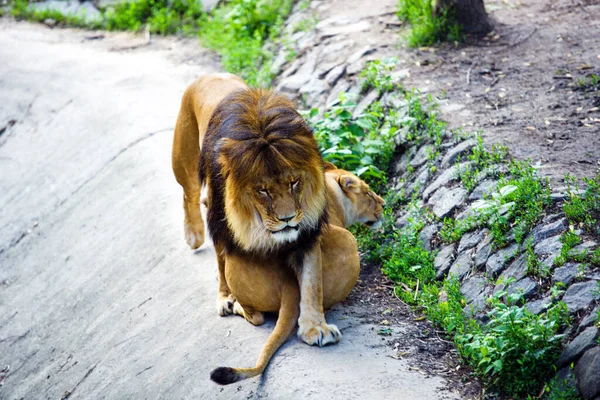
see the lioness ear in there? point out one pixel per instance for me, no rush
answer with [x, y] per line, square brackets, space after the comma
[329, 166]
[348, 183]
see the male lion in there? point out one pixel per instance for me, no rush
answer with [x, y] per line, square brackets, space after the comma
[264, 287]
[266, 187]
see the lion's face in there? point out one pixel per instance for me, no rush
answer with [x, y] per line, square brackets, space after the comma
[274, 210]
[361, 204]
[278, 206]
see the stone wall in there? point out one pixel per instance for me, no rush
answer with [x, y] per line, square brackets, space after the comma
[329, 59]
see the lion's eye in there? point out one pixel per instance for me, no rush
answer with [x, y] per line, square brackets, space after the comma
[294, 185]
[263, 192]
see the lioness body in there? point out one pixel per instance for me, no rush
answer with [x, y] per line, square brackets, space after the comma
[266, 189]
[264, 287]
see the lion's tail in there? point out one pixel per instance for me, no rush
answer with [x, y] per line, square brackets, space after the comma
[286, 322]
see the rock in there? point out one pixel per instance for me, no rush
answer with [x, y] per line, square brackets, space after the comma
[478, 304]
[209, 5]
[333, 21]
[341, 86]
[419, 182]
[365, 102]
[445, 200]
[581, 295]
[550, 248]
[50, 22]
[360, 53]
[302, 76]
[422, 156]
[313, 89]
[566, 273]
[590, 319]
[87, 10]
[539, 306]
[470, 240]
[344, 29]
[484, 249]
[456, 151]
[496, 263]
[526, 286]
[516, 270]
[446, 177]
[588, 246]
[427, 234]
[587, 371]
[335, 74]
[356, 67]
[443, 260]
[585, 340]
[552, 229]
[472, 287]
[401, 165]
[289, 71]
[462, 265]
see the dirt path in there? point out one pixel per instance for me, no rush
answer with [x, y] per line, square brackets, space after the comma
[99, 296]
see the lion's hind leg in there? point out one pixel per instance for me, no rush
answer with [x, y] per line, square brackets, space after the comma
[185, 155]
[256, 318]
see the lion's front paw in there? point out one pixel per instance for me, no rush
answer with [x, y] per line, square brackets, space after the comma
[194, 234]
[225, 305]
[319, 334]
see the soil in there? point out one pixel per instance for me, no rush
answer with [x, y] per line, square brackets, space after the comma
[520, 84]
[408, 333]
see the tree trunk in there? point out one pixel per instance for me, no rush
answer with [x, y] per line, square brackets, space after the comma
[470, 14]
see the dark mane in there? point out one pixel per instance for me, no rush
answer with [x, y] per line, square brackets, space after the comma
[257, 133]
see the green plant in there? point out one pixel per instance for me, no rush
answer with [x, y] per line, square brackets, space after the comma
[363, 144]
[468, 177]
[377, 74]
[427, 28]
[516, 351]
[239, 29]
[534, 266]
[583, 208]
[569, 239]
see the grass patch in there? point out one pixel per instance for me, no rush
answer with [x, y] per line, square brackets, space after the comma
[515, 352]
[238, 31]
[161, 16]
[427, 29]
[510, 212]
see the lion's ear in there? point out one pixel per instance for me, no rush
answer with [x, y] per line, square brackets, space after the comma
[329, 166]
[348, 183]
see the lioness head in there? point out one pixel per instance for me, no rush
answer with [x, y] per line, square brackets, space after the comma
[360, 203]
[274, 187]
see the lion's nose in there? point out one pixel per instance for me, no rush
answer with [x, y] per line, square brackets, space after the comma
[287, 218]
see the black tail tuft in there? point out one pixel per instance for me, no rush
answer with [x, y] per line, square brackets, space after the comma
[224, 375]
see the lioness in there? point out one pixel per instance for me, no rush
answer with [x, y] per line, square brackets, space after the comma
[266, 187]
[264, 287]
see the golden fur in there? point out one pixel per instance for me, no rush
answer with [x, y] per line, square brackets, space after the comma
[266, 187]
[265, 287]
